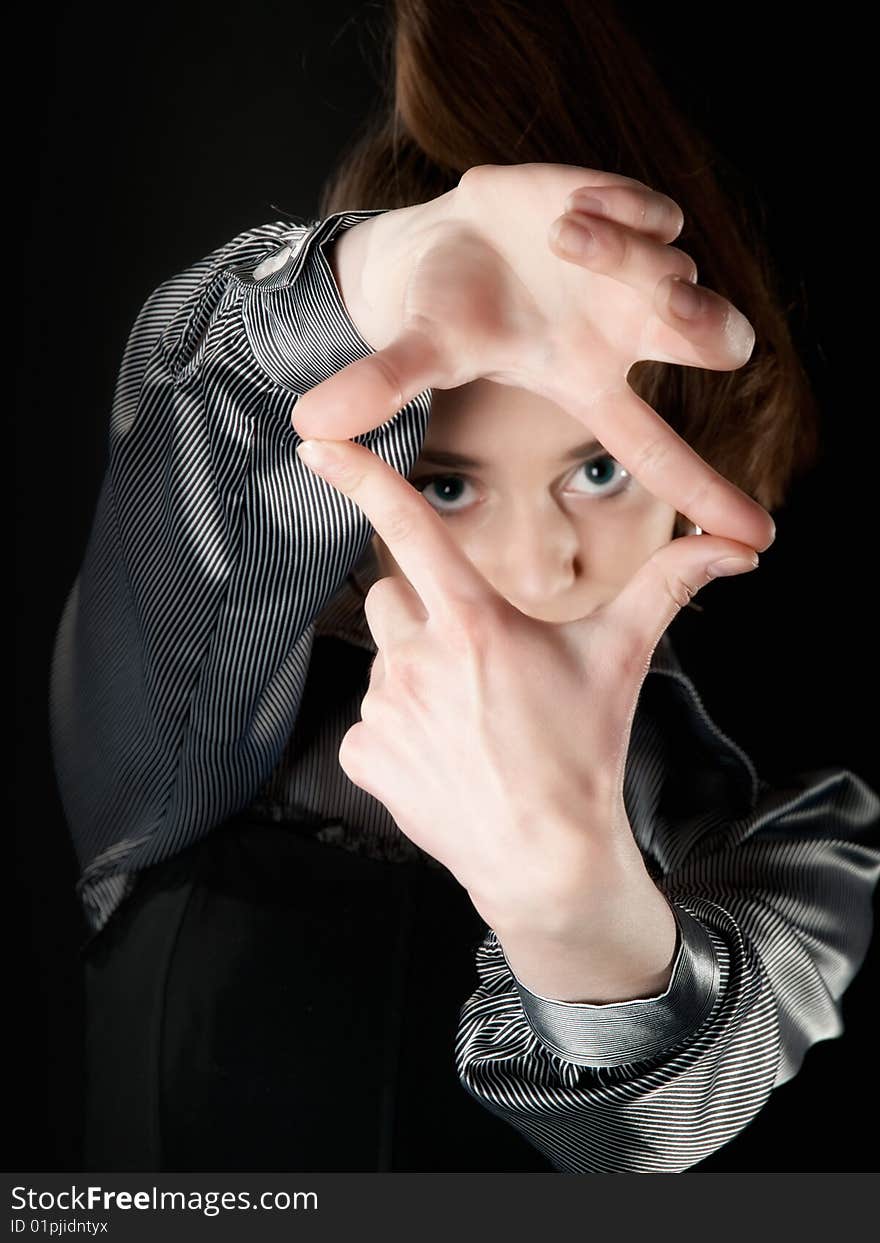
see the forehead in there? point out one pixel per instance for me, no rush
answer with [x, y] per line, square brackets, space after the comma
[498, 422]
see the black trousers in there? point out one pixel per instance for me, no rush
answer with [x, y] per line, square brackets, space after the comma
[265, 1002]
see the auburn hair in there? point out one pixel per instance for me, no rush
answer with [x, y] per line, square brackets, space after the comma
[468, 82]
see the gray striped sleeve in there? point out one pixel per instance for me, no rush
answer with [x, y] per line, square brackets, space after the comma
[182, 651]
[783, 894]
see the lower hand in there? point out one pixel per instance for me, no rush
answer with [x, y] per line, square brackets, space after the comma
[498, 742]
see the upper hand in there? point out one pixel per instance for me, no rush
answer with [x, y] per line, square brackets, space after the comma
[472, 284]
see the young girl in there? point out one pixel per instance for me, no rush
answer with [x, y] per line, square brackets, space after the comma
[537, 911]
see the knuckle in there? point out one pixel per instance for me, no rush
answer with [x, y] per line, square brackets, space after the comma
[698, 496]
[397, 525]
[382, 363]
[471, 630]
[378, 592]
[377, 706]
[367, 708]
[471, 617]
[643, 199]
[352, 749]
[620, 246]
[347, 477]
[472, 178]
[652, 457]
[374, 595]
[680, 590]
[682, 264]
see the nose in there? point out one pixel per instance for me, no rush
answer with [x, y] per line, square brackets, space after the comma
[538, 555]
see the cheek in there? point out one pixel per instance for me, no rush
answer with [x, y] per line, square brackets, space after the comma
[648, 524]
[615, 550]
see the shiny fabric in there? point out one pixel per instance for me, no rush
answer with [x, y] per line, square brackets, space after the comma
[211, 654]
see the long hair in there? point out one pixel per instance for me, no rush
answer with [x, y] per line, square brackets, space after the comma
[466, 82]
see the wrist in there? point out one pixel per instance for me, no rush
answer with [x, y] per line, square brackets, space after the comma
[610, 937]
[598, 971]
[372, 262]
[346, 256]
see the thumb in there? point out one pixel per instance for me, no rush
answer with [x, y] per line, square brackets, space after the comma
[370, 391]
[668, 580]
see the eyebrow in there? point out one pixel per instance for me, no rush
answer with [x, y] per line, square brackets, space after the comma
[444, 457]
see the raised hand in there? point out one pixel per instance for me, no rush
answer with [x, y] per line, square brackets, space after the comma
[498, 742]
[473, 284]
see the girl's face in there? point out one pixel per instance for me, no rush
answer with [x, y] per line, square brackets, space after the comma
[554, 523]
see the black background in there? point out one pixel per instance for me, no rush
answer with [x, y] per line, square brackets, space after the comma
[148, 136]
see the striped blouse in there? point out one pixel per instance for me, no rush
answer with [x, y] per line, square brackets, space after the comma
[218, 575]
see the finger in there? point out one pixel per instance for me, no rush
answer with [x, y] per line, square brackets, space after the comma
[369, 392]
[696, 327]
[393, 612]
[709, 333]
[640, 613]
[371, 766]
[415, 534]
[556, 180]
[636, 206]
[612, 249]
[661, 460]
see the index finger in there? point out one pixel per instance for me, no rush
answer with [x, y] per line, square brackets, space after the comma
[672, 470]
[414, 532]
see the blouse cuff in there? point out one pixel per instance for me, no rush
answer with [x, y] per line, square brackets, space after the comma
[615, 1033]
[295, 318]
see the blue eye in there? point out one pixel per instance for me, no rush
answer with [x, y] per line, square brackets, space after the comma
[449, 489]
[600, 473]
[603, 476]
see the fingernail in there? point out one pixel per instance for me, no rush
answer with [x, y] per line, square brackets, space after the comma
[574, 240]
[684, 299]
[320, 455]
[576, 202]
[731, 565]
